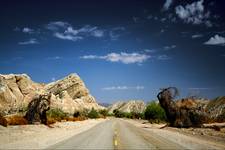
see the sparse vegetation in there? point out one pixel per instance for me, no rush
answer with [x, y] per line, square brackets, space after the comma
[56, 114]
[93, 114]
[104, 112]
[16, 120]
[154, 112]
[131, 115]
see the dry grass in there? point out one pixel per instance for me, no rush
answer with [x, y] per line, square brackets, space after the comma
[16, 120]
[52, 120]
[3, 121]
[75, 119]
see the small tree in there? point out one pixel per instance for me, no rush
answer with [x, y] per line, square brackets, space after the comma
[118, 113]
[154, 112]
[93, 114]
[103, 112]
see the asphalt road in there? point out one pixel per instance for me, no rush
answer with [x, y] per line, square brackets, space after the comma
[116, 134]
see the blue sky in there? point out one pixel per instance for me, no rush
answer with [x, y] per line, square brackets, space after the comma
[121, 49]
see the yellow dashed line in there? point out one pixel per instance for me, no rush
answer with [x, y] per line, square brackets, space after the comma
[115, 142]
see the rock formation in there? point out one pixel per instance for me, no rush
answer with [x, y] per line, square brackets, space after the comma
[216, 109]
[68, 94]
[184, 113]
[136, 106]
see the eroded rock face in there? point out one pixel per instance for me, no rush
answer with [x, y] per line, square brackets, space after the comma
[16, 90]
[70, 93]
[137, 106]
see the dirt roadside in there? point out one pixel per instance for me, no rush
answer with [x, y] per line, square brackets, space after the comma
[192, 138]
[41, 136]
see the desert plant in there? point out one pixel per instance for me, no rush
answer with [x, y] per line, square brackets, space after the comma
[57, 114]
[93, 114]
[103, 112]
[154, 111]
[16, 120]
[136, 115]
[118, 113]
[76, 114]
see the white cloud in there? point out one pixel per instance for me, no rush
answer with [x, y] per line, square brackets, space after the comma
[115, 33]
[67, 37]
[98, 33]
[167, 4]
[193, 13]
[216, 40]
[30, 41]
[163, 57]
[170, 47]
[126, 58]
[123, 88]
[149, 50]
[28, 30]
[70, 30]
[54, 58]
[56, 25]
[196, 36]
[66, 31]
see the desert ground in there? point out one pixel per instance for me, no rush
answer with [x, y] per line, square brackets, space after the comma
[110, 133]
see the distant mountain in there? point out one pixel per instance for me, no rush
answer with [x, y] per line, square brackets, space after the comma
[105, 104]
[128, 106]
[69, 94]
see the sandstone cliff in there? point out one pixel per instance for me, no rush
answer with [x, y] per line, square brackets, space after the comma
[128, 106]
[70, 93]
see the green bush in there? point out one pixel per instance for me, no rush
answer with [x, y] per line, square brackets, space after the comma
[137, 115]
[57, 114]
[154, 111]
[93, 114]
[118, 113]
[103, 112]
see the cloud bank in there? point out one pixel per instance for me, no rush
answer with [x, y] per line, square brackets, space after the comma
[123, 88]
[123, 57]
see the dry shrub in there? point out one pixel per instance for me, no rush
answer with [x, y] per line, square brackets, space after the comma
[3, 121]
[75, 118]
[51, 121]
[16, 120]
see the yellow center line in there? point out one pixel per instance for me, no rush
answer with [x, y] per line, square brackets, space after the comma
[115, 142]
[115, 139]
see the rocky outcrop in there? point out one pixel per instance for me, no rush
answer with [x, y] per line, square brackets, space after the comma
[137, 106]
[16, 90]
[216, 109]
[70, 93]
